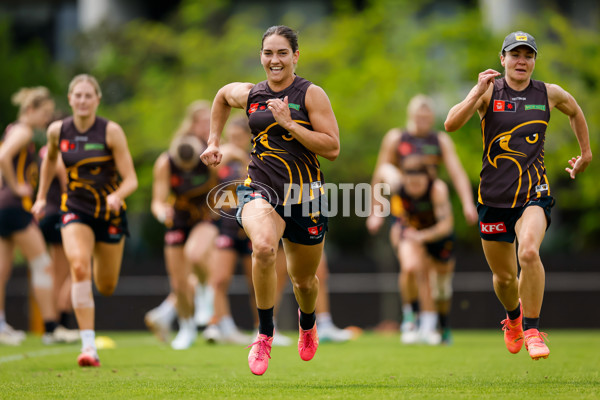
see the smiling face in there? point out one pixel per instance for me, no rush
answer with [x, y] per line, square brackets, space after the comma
[279, 60]
[84, 100]
[519, 63]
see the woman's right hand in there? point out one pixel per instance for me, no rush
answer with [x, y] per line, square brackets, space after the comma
[374, 223]
[485, 79]
[211, 156]
[165, 214]
[39, 209]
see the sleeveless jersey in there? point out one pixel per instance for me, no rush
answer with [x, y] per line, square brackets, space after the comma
[427, 146]
[190, 191]
[25, 165]
[514, 132]
[91, 171]
[417, 213]
[281, 168]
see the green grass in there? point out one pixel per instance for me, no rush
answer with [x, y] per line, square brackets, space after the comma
[476, 366]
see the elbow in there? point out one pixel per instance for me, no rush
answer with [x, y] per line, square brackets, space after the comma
[333, 154]
[449, 126]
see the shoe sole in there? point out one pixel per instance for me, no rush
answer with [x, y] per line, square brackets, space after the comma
[87, 361]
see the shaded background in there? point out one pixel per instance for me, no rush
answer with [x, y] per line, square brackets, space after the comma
[152, 58]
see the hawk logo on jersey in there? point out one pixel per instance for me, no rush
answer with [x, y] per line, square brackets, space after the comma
[505, 106]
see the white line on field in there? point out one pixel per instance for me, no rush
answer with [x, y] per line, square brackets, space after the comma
[35, 354]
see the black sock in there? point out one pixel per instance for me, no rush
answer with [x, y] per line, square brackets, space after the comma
[415, 306]
[444, 321]
[64, 319]
[531, 323]
[307, 321]
[50, 326]
[514, 314]
[265, 321]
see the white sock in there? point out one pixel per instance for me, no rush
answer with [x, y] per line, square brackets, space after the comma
[187, 324]
[428, 321]
[88, 337]
[227, 326]
[324, 320]
[166, 310]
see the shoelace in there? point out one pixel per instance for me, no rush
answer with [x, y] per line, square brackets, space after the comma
[506, 324]
[536, 339]
[263, 345]
[307, 339]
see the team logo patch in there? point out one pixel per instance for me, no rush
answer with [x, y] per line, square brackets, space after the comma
[114, 230]
[521, 38]
[505, 106]
[315, 230]
[494, 227]
[66, 146]
[68, 217]
[254, 107]
[541, 188]
[93, 146]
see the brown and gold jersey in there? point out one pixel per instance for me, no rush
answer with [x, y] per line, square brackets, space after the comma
[91, 170]
[281, 168]
[427, 146]
[26, 168]
[514, 131]
[190, 191]
[418, 212]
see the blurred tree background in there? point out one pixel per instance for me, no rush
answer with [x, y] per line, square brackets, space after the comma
[369, 61]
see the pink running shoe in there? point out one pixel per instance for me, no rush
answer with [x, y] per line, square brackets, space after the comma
[88, 358]
[260, 353]
[308, 342]
[534, 343]
[513, 332]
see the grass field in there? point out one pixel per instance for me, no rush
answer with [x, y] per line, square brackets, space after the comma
[476, 366]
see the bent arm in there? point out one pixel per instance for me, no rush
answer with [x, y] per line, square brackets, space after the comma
[324, 139]
[233, 95]
[477, 100]
[443, 214]
[161, 188]
[19, 137]
[117, 142]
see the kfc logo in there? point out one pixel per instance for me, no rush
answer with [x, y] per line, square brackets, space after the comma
[66, 218]
[494, 227]
[315, 230]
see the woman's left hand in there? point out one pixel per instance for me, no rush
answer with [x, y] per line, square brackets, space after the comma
[578, 165]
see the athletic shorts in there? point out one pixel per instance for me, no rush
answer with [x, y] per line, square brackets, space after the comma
[104, 231]
[232, 236]
[177, 236]
[50, 227]
[498, 224]
[304, 223]
[443, 249]
[13, 220]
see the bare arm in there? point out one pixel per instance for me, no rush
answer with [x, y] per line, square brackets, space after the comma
[443, 215]
[233, 95]
[387, 155]
[48, 168]
[561, 99]
[117, 142]
[19, 137]
[324, 139]
[478, 99]
[459, 177]
[161, 187]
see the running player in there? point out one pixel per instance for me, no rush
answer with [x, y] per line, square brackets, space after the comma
[19, 173]
[292, 122]
[94, 224]
[436, 148]
[514, 194]
[426, 240]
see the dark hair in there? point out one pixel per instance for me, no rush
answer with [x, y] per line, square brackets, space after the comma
[285, 31]
[186, 152]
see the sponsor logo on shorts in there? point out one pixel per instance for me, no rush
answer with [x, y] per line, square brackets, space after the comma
[494, 227]
[114, 230]
[68, 217]
[541, 188]
[505, 106]
[223, 242]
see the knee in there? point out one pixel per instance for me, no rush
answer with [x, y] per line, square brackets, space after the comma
[505, 279]
[305, 284]
[106, 288]
[528, 255]
[221, 284]
[81, 270]
[263, 253]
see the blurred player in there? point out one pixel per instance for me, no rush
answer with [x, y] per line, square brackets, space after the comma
[435, 148]
[180, 188]
[19, 173]
[514, 194]
[426, 240]
[94, 223]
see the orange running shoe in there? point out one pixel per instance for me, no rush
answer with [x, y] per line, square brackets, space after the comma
[534, 343]
[308, 342]
[88, 358]
[260, 353]
[513, 332]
